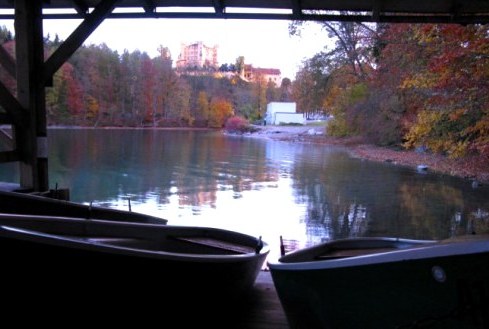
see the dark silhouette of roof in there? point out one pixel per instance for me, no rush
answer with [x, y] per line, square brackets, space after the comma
[432, 11]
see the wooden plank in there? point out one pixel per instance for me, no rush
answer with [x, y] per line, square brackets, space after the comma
[262, 308]
[218, 244]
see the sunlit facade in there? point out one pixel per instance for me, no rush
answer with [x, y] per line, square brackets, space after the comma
[197, 55]
[254, 74]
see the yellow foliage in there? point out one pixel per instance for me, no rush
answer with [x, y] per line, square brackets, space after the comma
[420, 80]
[92, 107]
[219, 111]
[419, 132]
[427, 132]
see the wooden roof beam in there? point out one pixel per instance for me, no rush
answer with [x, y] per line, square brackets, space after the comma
[81, 7]
[15, 111]
[296, 8]
[5, 118]
[149, 6]
[77, 37]
[219, 6]
[6, 139]
[9, 156]
[376, 10]
[8, 62]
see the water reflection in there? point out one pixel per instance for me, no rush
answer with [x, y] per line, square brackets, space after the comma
[305, 193]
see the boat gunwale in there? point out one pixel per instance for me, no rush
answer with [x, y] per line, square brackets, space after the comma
[96, 228]
[55, 207]
[430, 249]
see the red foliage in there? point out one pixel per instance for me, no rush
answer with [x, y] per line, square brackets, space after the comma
[237, 124]
[74, 96]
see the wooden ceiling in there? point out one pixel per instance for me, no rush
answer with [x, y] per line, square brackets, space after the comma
[407, 11]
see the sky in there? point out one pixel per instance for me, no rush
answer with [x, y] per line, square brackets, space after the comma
[263, 43]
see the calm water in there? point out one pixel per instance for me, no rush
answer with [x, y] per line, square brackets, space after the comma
[306, 193]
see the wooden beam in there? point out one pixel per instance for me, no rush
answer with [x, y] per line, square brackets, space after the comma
[219, 6]
[149, 6]
[376, 11]
[76, 39]
[5, 119]
[31, 139]
[6, 139]
[15, 111]
[81, 7]
[7, 61]
[384, 17]
[296, 8]
[9, 156]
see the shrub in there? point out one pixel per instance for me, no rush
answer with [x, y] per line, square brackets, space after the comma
[238, 124]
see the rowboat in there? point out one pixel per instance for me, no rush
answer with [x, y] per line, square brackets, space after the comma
[82, 267]
[386, 283]
[32, 204]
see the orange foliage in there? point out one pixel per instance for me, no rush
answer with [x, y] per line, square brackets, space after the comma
[220, 110]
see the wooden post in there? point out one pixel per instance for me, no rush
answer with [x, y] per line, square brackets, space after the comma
[31, 141]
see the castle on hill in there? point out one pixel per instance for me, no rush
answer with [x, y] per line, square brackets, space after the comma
[200, 57]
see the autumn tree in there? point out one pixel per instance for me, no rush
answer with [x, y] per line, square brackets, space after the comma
[259, 97]
[219, 111]
[148, 81]
[203, 105]
[240, 64]
[285, 90]
[333, 80]
[458, 76]
[311, 85]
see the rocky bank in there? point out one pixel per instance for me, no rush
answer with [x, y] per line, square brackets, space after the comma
[472, 168]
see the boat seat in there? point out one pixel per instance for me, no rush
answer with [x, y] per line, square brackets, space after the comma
[218, 244]
[346, 253]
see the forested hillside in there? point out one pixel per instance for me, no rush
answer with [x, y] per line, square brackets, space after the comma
[100, 87]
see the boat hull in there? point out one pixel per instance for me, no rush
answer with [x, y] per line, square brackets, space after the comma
[72, 266]
[41, 267]
[29, 204]
[447, 291]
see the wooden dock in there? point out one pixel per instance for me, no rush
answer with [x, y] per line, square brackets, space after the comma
[263, 308]
[260, 309]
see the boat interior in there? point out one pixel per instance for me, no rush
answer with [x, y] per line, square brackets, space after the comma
[137, 236]
[347, 248]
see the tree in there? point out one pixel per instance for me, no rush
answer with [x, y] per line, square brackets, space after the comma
[203, 105]
[354, 44]
[329, 82]
[220, 111]
[240, 64]
[5, 35]
[259, 97]
[285, 90]
[311, 84]
[445, 84]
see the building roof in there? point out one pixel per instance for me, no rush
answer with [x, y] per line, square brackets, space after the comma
[432, 11]
[259, 70]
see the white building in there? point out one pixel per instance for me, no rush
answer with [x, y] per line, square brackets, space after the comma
[283, 113]
[197, 55]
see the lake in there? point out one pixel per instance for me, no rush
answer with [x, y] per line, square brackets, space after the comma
[305, 193]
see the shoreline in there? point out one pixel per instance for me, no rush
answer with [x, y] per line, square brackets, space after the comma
[470, 168]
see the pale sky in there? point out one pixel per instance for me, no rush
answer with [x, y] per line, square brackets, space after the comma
[263, 43]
